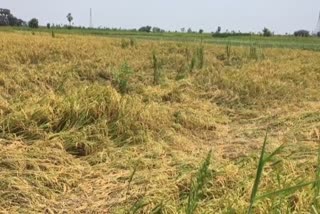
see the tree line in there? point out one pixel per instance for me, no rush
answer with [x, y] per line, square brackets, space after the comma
[8, 19]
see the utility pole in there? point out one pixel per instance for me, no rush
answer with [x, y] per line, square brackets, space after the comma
[91, 24]
[317, 30]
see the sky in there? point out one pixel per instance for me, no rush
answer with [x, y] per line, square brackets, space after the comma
[280, 16]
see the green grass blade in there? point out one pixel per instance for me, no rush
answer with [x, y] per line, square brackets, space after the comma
[285, 191]
[258, 175]
[131, 178]
[314, 210]
[317, 184]
[138, 206]
[158, 209]
[274, 153]
[198, 185]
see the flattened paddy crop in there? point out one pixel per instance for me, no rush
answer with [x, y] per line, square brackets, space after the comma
[104, 125]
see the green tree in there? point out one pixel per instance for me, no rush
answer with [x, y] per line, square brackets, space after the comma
[302, 33]
[201, 31]
[70, 18]
[266, 32]
[13, 21]
[218, 30]
[145, 29]
[156, 30]
[33, 23]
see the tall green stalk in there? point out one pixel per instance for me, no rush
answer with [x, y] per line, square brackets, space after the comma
[198, 185]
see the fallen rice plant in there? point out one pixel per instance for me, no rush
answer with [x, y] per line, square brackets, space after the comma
[83, 132]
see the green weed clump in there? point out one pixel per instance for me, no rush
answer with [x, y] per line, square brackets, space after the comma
[197, 186]
[133, 42]
[156, 69]
[123, 77]
[182, 72]
[197, 60]
[255, 52]
[285, 191]
[228, 51]
[192, 64]
[126, 43]
[200, 57]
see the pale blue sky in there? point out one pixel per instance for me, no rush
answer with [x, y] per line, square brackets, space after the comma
[246, 15]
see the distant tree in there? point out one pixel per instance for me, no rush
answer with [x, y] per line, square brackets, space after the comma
[6, 18]
[4, 21]
[318, 34]
[13, 21]
[33, 23]
[189, 30]
[183, 30]
[145, 29]
[22, 23]
[266, 32]
[218, 30]
[48, 25]
[201, 31]
[302, 33]
[156, 30]
[69, 18]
